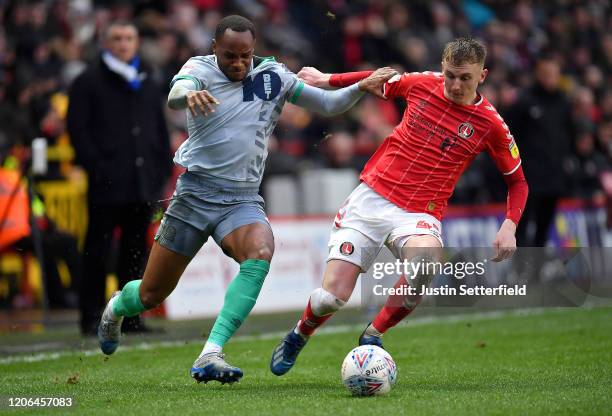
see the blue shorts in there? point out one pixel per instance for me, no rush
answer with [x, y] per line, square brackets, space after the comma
[199, 210]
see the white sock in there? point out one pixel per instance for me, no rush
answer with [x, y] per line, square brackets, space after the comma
[112, 315]
[371, 331]
[210, 347]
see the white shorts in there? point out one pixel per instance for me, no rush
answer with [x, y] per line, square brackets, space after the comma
[366, 221]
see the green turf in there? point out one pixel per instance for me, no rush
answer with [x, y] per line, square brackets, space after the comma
[556, 362]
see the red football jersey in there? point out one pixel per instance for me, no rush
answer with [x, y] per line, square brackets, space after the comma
[419, 163]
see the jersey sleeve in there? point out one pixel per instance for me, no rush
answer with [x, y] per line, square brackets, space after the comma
[347, 78]
[193, 70]
[502, 147]
[400, 85]
[292, 85]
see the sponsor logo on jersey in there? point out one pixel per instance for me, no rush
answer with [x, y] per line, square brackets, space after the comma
[347, 248]
[447, 143]
[432, 228]
[423, 224]
[266, 85]
[465, 130]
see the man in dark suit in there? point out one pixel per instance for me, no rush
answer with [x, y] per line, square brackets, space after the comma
[542, 124]
[117, 126]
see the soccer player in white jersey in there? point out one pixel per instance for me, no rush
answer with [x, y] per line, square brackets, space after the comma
[234, 100]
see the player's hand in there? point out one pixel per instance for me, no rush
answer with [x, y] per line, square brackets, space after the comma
[312, 76]
[200, 100]
[374, 83]
[505, 242]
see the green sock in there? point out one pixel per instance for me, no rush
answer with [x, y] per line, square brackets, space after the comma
[240, 298]
[128, 302]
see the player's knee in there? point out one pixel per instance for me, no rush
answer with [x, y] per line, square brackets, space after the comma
[323, 302]
[424, 269]
[262, 252]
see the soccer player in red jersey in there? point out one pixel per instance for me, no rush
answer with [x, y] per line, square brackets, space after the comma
[405, 188]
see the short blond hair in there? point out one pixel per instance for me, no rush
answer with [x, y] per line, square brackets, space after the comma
[464, 51]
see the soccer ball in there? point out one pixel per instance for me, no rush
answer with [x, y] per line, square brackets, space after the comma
[368, 370]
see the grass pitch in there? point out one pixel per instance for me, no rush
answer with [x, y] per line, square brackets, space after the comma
[556, 362]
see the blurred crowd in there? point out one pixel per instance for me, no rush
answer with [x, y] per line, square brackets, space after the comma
[44, 45]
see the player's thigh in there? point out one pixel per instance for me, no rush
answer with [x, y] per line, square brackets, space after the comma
[249, 241]
[426, 250]
[351, 252]
[176, 242]
[421, 246]
[415, 235]
[340, 278]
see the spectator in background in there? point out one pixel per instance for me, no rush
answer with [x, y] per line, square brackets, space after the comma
[338, 152]
[542, 125]
[586, 165]
[44, 44]
[118, 129]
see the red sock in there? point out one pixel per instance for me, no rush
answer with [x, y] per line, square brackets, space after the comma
[394, 310]
[309, 322]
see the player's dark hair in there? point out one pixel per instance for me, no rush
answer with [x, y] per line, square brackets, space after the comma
[464, 51]
[235, 23]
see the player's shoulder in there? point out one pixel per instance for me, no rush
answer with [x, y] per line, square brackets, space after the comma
[417, 77]
[425, 76]
[490, 113]
[265, 62]
[269, 63]
[201, 62]
[495, 121]
[432, 75]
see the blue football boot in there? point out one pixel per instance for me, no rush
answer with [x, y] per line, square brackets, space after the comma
[285, 353]
[365, 339]
[212, 366]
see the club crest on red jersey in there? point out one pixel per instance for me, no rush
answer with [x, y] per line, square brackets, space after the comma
[347, 248]
[465, 130]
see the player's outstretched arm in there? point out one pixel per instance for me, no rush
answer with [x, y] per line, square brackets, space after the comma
[329, 103]
[312, 76]
[183, 95]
